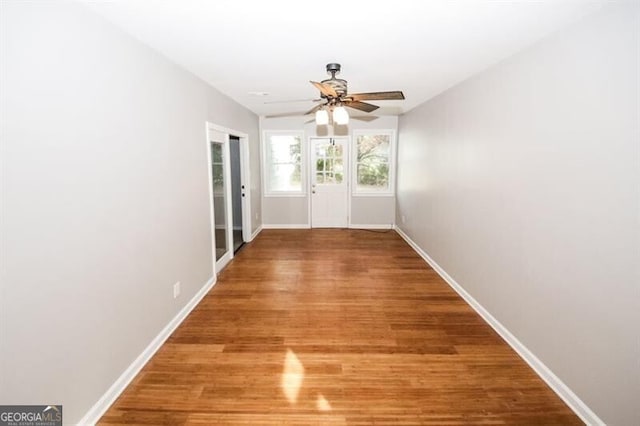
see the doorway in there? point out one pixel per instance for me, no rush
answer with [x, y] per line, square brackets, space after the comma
[329, 183]
[229, 190]
[237, 192]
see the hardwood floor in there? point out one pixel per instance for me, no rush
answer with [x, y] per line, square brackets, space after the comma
[335, 327]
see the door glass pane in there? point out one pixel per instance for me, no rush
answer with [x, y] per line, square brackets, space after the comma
[219, 200]
[329, 163]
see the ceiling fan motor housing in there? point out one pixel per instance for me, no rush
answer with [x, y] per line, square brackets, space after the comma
[333, 69]
[339, 85]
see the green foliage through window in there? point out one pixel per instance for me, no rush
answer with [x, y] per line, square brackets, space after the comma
[329, 167]
[372, 163]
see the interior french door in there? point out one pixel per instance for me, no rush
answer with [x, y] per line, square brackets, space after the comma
[222, 226]
[329, 183]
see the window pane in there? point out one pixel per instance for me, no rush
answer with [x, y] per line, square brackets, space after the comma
[373, 177]
[217, 174]
[296, 177]
[216, 154]
[285, 177]
[329, 165]
[285, 149]
[284, 163]
[373, 146]
[373, 157]
[329, 178]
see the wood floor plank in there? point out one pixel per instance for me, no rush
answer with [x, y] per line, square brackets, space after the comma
[338, 327]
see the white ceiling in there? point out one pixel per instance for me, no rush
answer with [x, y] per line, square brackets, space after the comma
[421, 47]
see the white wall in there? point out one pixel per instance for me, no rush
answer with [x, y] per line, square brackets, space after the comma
[104, 200]
[523, 184]
[365, 210]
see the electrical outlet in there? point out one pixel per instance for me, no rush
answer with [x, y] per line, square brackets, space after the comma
[257, 216]
[176, 290]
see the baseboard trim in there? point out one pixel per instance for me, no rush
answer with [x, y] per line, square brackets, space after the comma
[109, 397]
[255, 234]
[286, 226]
[554, 382]
[375, 226]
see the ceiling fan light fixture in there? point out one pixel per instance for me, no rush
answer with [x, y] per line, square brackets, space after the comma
[340, 115]
[322, 117]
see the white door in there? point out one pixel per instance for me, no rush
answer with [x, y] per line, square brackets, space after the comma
[329, 183]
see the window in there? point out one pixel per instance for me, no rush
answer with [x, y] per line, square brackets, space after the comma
[283, 163]
[373, 163]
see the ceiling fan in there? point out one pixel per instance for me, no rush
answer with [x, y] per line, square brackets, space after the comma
[335, 97]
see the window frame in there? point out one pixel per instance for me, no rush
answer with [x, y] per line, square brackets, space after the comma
[355, 192]
[266, 164]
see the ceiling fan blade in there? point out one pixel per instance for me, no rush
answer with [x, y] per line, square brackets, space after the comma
[366, 118]
[314, 109]
[325, 89]
[286, 114]
[377, 96]
[362, 106]
[292, 101]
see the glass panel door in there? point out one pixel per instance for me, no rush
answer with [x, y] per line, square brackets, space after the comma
[219, 200]
[221, 213]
